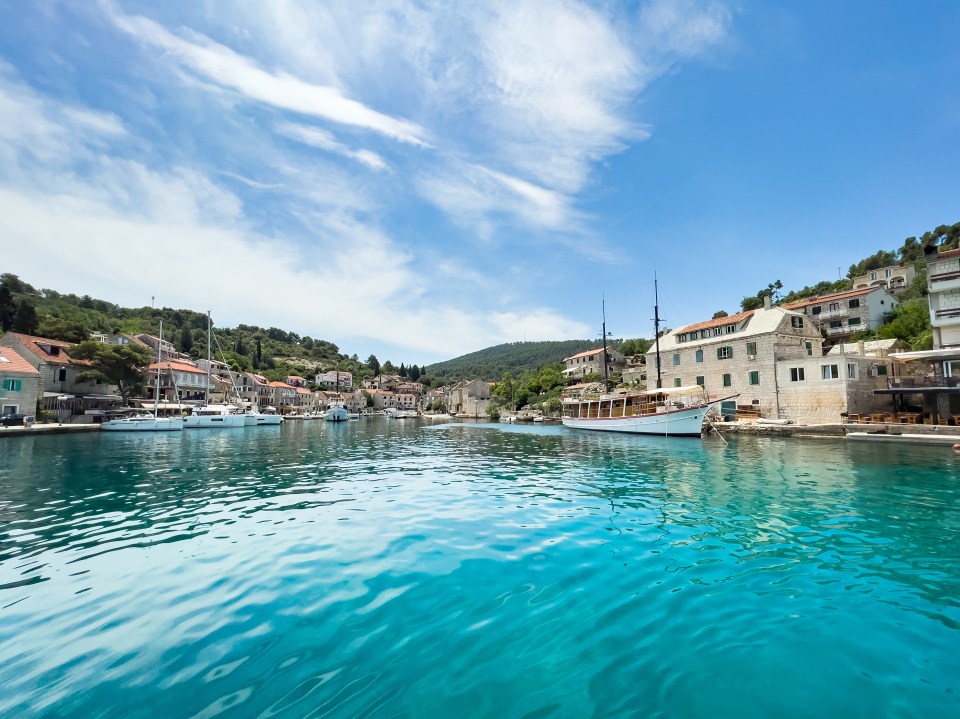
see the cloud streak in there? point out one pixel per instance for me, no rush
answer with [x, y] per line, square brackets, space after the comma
[229, 69]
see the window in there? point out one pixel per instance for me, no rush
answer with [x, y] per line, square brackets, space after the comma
[886, 273]
[676, 359]
[62, 374]
[717, 331]
[829, 371]
[682, 338]
[834, 307]
[701, 380]
[816, 310]
[854, 303]
[731, 329]
[853, 321]
[836, 323]
[726, 380]
[724, 352]
[704, 334]
[12, 385]
[676, 381]
[873, 275]
[753, 377]
[699, 355]
[809, 346]
[751, 348]
[796, 374]
[851, 370]
[881, 370]
[796, 322]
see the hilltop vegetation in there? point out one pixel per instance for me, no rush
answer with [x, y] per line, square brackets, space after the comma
[271, 351]
[910, 322]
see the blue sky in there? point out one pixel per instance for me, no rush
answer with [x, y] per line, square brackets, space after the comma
[423, 179]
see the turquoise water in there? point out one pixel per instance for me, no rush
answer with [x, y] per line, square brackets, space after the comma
[392, 569]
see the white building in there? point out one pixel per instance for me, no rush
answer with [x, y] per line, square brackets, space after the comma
[843, 314]
[592, 362]
[943, 285]
[334, 380]
[894, 278]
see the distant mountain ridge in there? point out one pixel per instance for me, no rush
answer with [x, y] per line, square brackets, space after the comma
[514, 357]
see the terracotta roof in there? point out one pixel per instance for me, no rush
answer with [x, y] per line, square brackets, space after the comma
[33, 343]
[296, 376]
[719, 322]
[12, 363]
[302, 390]
[584, 354]
[179, 366]
[949, 253]
[827, 298]
[279, 384]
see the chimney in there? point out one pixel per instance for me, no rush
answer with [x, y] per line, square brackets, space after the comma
[766, 302]
[861, 349]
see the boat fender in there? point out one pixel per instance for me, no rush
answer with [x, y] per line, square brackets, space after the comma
[956, 448]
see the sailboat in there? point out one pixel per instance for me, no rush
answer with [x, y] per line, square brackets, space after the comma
[142, 421]
[214, 416]
[672, 412]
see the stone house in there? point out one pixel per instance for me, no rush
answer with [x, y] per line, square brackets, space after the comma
[843, 314]
[773, 359]
[895, 278]
[592, 362]
[61, 389]
[177, 381]
[19, 384]
[468, 397]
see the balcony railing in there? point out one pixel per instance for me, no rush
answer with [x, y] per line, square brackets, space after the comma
[921, 382]
[945, 276]
[845, 330]
[833, 314]
[944, 314]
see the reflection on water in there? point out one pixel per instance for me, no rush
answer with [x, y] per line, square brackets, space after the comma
[386, 568]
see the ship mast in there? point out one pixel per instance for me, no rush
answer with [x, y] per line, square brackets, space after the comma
[606, 379]
[656, 328]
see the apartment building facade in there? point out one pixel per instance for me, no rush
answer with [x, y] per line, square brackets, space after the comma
[841, 315]
[943, 286]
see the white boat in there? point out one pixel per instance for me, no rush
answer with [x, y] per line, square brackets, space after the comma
[261, 419]
[352, 416]
[143, 421]
[673, 412]
[216, 416]
[405, 414]
[670, 412]
[336, 414]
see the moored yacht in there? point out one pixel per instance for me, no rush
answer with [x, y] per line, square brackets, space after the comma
[215, 416]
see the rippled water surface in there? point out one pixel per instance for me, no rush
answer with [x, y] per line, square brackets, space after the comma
[392, 569]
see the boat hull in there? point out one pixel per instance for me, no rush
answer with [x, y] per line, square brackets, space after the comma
[151, 424]
[215, 421]
[262, 420]
[678, 423]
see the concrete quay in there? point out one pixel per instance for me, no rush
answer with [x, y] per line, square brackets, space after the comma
[47, 429]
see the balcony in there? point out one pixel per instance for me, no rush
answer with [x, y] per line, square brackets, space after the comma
[844, 330]
[833, 314]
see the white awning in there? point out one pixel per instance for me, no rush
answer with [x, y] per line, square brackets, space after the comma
[930, 355]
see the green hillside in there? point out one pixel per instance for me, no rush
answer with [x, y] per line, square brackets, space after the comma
[271, 351]
[513, 357]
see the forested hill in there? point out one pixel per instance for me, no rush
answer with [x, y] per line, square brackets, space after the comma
[271, 351]
[514, 357]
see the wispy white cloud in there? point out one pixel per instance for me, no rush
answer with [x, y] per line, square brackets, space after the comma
[227, 68]
[252, 183]
[324, 140]
[143, 230]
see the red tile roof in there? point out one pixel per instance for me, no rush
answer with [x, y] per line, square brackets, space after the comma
[583, 354]
[828, 298]
[12, 363]
[719, 322]
[949, 253]
[279, 384]
[33, 343]
[178, 366]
